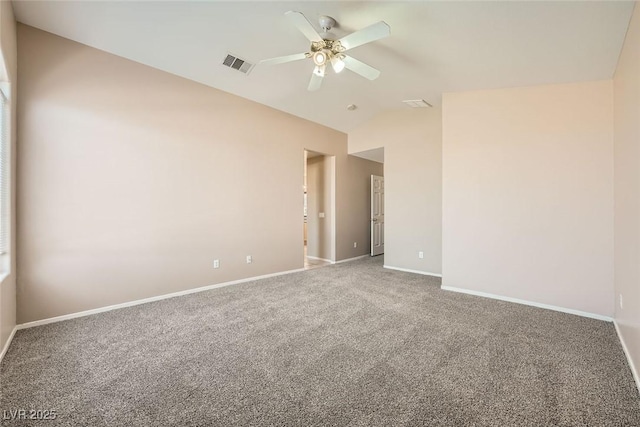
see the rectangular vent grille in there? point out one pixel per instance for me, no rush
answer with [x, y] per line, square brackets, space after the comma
[236, 63]
[417, 103]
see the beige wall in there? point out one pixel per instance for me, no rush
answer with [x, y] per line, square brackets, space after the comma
[8, 285]
[412, 141]
[132, 181]
[626, 92]
[528, 194]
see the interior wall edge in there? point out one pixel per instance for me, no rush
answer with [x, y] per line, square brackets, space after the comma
[132, 303]
[8, 343]
[529, 303]
[627, 354]
[410, 270]
[353, 259]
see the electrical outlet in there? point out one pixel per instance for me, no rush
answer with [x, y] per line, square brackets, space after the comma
[421, 255]
[320, 214]
[621, 304]
[216, 263]
[249, 259]
[355, 244]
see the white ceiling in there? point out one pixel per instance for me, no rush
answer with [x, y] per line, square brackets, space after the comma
[434, 47]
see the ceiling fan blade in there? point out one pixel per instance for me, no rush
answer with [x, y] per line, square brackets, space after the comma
[361, 68]
[316, 78]
[283, 59]
[303, 24]
[373, 32]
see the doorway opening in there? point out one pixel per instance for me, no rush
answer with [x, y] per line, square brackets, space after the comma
[319, 209]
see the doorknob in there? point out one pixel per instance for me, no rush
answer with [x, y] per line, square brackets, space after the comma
[374, 219]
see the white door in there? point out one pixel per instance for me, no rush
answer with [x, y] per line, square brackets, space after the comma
[377, 215]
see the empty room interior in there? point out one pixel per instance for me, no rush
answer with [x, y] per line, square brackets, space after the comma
[315, 213]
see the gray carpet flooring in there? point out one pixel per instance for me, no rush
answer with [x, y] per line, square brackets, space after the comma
[345, 345]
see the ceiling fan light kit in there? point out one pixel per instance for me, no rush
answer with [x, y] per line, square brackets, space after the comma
[325, 48]
[320, 57]
[337, 63]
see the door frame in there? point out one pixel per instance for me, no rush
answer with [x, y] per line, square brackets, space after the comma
[330, 211]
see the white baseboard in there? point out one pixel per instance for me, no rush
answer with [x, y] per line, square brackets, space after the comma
[406, 270]
[531, 303]
[353, 259]
[321, 259]
[8, 343]
[636, 378]
[147, 300]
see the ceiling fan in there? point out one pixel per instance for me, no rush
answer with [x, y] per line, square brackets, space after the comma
[326, 49]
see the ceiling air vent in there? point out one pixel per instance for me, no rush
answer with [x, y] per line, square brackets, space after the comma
[236, 63]
[417, 103]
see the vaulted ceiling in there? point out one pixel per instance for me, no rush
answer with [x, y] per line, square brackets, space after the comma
[434, 47]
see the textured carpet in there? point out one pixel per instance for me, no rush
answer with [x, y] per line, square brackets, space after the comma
[346, 345]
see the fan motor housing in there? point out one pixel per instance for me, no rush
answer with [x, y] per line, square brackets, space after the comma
[326, 22]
